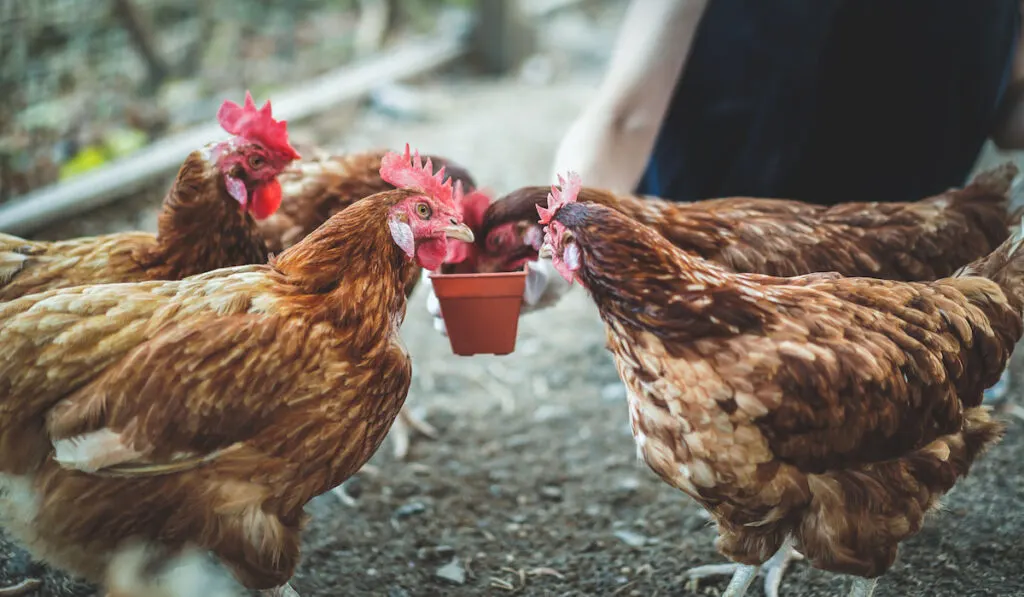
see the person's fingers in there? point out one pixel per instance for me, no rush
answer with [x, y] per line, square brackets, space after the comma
[433, 305]
[536, 283]
[440, 327]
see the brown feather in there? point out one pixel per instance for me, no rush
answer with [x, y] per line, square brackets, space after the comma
[222, 403]
[924, 240]
[832, 410]
[200, 228]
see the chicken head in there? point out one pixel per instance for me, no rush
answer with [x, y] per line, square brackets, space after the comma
[423, 223]
[254, 156]
[559, 243]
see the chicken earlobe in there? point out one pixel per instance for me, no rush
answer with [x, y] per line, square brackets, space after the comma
[402, 233]
[236, 188]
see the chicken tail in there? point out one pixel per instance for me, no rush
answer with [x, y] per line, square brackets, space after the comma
[986, 201]
[857, 517]
[14, 252]
[1004, 266]
[997, 180]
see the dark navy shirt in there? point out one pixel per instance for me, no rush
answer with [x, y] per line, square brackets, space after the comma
[829, 101]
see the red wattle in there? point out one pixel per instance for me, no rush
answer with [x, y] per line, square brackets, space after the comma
[266, 199]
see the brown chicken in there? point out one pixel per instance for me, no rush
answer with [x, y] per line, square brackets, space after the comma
[208, 411]
[320, 186]
[924, 240]
[825, 413]
[207, 220]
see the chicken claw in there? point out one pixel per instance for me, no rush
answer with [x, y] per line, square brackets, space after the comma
[999, 397]
[341, 492]
[25, 587]
[863, 587]
[284, 590]
[400, 431]
[743, 575]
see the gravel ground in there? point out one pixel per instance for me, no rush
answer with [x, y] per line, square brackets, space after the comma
[533, 487]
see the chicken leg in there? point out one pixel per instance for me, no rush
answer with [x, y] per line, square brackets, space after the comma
[341, 492]
[403, 426]
[1000, 395]
[743, 575]
[29, 585]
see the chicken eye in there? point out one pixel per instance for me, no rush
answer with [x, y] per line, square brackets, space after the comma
[256, 161]
[423, 210]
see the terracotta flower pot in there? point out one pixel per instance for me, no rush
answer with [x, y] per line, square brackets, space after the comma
[481, 311]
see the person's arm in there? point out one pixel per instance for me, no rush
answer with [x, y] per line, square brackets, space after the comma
[610, 143]
[1008, 133]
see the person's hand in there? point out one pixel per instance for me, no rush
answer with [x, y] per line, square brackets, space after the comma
[433, 305]
[544, 286]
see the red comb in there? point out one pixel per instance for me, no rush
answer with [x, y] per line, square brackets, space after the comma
[256, 125]
[409, 172]
[472, 205]
[557, 198]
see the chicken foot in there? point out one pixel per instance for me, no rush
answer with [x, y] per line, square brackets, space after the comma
[863, 587]
[24, 587]
[743, 575]
[999, 397]
[341, 492]
[284, 590]
[403, 426]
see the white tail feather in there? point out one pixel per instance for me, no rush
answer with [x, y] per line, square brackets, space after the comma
[92, 451]
[188, 575]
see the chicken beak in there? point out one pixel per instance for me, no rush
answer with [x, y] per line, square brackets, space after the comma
[546, 252]
[459, 232]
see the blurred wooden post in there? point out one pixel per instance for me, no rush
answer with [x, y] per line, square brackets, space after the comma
[140, 28]
[503, 37]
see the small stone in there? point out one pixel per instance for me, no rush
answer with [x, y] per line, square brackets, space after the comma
[613, 392]
[631, 539]
[410, 509]
[592, 510]
[406, 490]
[397, 592]
[558, 379]
[518, 441]
[436, 553]
[354, 486]
[627, 484]
[551, 492]
[371, 572]
[452, 572]
[445, 551]
[551, 412]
